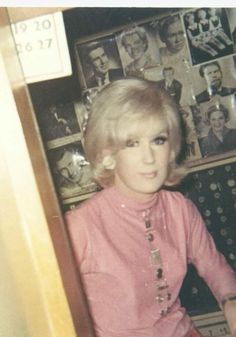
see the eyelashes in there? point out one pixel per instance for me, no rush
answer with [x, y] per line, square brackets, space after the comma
[132, 143]
[159, 140]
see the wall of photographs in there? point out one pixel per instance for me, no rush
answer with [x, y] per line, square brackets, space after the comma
[189, 53]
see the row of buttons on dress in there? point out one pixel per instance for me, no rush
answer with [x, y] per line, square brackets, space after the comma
[163, 295]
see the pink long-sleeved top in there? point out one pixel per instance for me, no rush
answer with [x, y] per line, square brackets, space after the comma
[132, 270]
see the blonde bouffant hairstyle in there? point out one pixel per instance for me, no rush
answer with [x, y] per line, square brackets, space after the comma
[120, 112]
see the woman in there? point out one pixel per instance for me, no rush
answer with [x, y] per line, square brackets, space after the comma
[220, 138]
[132, 240]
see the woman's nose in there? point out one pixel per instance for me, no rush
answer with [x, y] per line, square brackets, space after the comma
[148, 154]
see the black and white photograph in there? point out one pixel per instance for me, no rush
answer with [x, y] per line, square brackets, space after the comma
[138, 50]
[170, 84]
[98, 62]
[192, 152]
[231, 13]
[215, 79]
[71, 170]
[172, 43]
[118, 170]
[208, 34]
[58, 121]
[216, 125]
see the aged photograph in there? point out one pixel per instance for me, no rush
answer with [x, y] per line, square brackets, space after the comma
[172, 39]
[170, 84]
[138, 50]
[231, 13]
[192, 151]
[216, 125]
[119, 175]
[173, 49]
[208, 34]
[71, 170]
[58, 121]
[215, 79]
[98, 62]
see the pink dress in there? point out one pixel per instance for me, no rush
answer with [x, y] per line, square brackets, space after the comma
[133, 258]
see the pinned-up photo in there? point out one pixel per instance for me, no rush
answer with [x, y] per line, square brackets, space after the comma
[98, 62]
[215, 79]
[220, 137]
[71, 170]
[208, 34]
[58, 121]
[138, 50]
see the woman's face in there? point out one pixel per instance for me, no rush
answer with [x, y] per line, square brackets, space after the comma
[69, 167]
[217, 120]
[201, 14]
[135, 46]
[142, 166]
[190, 18]
[175, 39]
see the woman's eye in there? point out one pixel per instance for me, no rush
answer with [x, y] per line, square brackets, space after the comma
[132, 143]
[160, 140]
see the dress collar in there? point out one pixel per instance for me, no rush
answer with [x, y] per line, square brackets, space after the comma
[121, 200]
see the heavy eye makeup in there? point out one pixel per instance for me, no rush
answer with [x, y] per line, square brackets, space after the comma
[132, 143]
[156, 140]
[160, 139]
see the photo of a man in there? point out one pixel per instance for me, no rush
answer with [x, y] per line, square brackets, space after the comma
[98, 69]
[170, 84]
[71, 170]
[213, 76]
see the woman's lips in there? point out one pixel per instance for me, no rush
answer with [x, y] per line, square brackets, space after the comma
[149, 174]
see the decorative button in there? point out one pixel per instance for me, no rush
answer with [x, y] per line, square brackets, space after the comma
[162, 287]
[156, 257]
[160, 298]
[147, 223]
[150, 237]
[159, 273]
[165, 311]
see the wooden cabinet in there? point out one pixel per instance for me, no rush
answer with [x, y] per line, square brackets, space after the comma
[40, 287]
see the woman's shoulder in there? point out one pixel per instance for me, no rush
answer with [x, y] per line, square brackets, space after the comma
[179, 205]
[181, 210]
[175, 198]
[89, 206]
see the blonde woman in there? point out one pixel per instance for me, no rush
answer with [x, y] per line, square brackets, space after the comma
[132, 240]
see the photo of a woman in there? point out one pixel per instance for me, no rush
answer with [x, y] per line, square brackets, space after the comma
[220, 138]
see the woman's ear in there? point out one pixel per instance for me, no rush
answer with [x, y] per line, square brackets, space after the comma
[109, 162]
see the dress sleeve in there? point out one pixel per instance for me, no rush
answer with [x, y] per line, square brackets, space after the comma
[210, 264]
[77, 229]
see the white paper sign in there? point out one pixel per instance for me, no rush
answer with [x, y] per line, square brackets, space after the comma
[42, 47]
